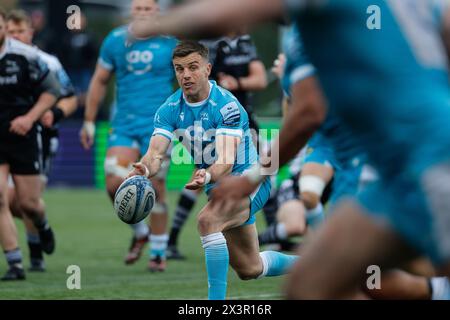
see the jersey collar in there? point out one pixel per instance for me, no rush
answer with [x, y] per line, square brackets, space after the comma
[200, 103]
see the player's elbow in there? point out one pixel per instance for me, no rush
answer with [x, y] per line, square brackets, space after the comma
[69, 105]
[258, 76]
[262, 83]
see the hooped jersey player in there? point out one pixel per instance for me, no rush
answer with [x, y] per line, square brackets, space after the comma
[23, 77]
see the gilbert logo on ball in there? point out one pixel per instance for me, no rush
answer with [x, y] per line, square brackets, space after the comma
[134, 199]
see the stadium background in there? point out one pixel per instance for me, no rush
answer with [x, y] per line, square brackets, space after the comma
[75, 167]
[88, 234]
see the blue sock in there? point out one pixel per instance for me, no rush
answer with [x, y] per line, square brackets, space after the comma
[217, 260]
[158, 246]
[276, 263]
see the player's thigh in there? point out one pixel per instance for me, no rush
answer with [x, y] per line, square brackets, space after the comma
[217, 217]
[160, 188]
[420, 267]
[342, 249]
[28, 187]
[119, 159]
[4, 172]
[243, 248]
[125, 155]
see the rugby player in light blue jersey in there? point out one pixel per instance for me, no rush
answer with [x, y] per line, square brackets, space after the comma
[394, 99]
[214, 127]
[144, 80]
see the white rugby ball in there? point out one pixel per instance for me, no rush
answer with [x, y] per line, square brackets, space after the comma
[134, 199]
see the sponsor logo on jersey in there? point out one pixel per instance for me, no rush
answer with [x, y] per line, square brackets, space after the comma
[8, 80]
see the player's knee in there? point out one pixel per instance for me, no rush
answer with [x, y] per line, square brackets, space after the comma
[31, 206]
[296, 229]
[206, 224]
[311, 188]
[248, 272]
[117, 167]
[159, 208]
[111, 189]
[3, 199]
[310, 200]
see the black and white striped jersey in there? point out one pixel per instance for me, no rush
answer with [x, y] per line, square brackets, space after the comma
[22, 79]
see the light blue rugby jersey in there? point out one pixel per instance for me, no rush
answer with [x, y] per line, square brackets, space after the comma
[144, 77]
[197, 125]
[297, 68]
[439, 8]
[386, 81]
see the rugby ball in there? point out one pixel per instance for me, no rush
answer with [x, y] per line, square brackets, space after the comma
[134, 199]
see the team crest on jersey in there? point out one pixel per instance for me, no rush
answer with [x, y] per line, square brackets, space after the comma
[204, 116]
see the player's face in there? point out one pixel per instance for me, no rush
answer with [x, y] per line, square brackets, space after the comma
[192, 73]
[20, 31]
[143, 8]
[2, 31]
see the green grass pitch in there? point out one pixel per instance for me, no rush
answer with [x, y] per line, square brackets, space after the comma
[90, 236]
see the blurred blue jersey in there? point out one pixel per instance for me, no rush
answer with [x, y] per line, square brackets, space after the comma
[381, 82]
[383, 67]
[333, 133]
[144, 78]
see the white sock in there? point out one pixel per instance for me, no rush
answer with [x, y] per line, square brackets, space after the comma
[281, 231]
[212, 239]
[140, 229]
[158, 242]
[441, 288]
[265, 263]
[158, 245]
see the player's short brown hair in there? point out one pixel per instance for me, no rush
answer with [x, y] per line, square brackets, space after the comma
[19, 16]
[186, 47]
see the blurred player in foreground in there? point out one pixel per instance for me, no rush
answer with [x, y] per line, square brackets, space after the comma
[144, 79]
[214, 127]
[395, 125]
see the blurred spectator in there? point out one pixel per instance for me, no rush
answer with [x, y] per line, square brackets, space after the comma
[42, 35]
[78, 54]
